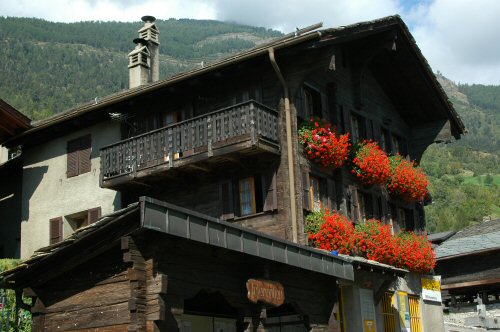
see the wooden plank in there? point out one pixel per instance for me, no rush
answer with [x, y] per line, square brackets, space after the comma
[470, 284]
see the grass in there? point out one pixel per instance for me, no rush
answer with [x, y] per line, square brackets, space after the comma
[480, 179]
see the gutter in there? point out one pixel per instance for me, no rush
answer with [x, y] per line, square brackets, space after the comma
[288, 124]
[288, 128]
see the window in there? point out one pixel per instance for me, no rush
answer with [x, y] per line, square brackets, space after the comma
[385, 140]
[318, 193]
[389, 313]
[396, 146]
[312, 102]
[247, 196]
[415, 315]
[393, 218]
[169, 118]
[358, 128]
[56, 230]
[79, 154]
[314, 191]
[84, 218]
[365, 208]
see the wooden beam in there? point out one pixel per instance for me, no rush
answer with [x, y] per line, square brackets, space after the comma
[471, 284]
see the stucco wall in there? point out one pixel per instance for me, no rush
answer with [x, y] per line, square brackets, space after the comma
[48, 193]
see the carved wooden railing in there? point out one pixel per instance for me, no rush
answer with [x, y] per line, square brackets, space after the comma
[201, 133]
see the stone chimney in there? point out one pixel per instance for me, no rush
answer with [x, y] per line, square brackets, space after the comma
[139, 64]
[150, 33]
[144, 60]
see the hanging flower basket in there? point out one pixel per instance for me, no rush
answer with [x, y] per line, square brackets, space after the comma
[323, 145]
[407, 180]
[371, 164]
[374, 240]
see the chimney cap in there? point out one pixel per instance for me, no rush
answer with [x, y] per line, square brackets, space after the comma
[141, 41]
[148, 18]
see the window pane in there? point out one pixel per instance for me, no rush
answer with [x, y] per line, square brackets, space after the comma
[247, 198]
[315, 194]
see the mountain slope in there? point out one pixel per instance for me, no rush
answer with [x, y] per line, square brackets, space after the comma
[49, 67]
[465, 175]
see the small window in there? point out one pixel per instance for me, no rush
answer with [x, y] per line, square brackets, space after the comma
[169, 118]
[396, 144]
[389, 313]
[315, 194]
[415, 314]
[247, 196]
[56, 230]
[385, 140]
[79, 154]
[84, 218]
[312, 102]
[358, 132]
[393, 218]
[365, 209]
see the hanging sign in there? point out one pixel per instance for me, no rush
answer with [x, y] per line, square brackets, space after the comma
[270, 292]
[431, 288]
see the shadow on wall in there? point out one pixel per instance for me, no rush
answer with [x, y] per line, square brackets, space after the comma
[32, 178]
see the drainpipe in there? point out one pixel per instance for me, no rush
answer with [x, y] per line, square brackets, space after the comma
[288, 122]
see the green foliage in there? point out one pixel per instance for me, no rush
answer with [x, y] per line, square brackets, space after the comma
[8, 298]
[50, 67]
[314, 220]
[465, 175]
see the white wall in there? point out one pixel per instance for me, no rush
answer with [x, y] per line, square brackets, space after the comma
[4, 154]
[48, 193]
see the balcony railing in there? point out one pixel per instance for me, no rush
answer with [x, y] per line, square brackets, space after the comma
[203, 134]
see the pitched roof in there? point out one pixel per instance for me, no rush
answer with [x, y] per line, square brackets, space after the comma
[338, 34]
[473, 239]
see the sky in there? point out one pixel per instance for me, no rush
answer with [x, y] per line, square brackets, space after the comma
[459, 38]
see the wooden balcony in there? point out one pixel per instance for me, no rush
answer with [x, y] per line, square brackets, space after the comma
[198, 143]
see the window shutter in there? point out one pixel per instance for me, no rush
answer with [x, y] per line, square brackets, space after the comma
[85, 154]
[332, 203]
[56, 230]
[72, 160]
[354, 203]
[269, 191]
[226, 200]
[305, 191]
[93, 215]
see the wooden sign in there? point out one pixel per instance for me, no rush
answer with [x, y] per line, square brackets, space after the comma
[270, 292]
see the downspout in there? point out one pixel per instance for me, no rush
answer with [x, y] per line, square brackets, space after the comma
[288, 128]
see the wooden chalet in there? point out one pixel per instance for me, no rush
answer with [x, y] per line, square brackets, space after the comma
[219, 145]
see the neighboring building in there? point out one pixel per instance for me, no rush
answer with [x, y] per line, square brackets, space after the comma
[12, 123]
[470, 268]
[221, 142]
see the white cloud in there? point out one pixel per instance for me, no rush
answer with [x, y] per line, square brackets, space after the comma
[106, 10]
[458, 37]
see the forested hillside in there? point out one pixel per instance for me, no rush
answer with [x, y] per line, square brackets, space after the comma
[49, 67]
[465, 175]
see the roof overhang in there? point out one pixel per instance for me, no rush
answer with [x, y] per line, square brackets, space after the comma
[12, 122]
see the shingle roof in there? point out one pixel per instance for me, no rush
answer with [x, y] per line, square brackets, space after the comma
[484, 236]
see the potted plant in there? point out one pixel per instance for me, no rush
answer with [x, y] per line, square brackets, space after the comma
[407, 180]
[370, 163]
[323, 145]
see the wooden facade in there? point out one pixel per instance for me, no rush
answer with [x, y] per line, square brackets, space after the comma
[221, 143]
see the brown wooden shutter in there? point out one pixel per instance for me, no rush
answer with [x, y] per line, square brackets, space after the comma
[56, 230]
[72, 160]
[354, 203]
[332, 203]
[306, 201]
[85, 153]
[93, 215]
[269, 191]
[226, 200]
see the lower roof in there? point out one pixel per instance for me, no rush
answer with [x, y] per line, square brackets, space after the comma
[155, 215]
